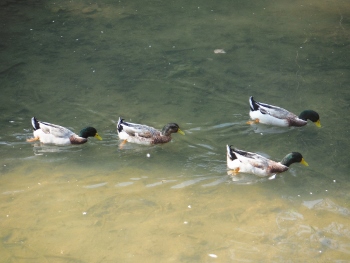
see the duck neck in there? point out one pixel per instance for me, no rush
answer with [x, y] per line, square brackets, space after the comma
[165, 132]
[287, 160]
[293, 157]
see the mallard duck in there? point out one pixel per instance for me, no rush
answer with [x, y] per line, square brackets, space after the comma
[253, 163]
[143, 134]
[54, 134]
[273, 115]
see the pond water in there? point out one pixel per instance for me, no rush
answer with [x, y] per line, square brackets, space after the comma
[79, 63]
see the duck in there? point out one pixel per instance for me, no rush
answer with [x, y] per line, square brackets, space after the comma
[143, 134]
[49, 133]
[248, 162]
[274, 115]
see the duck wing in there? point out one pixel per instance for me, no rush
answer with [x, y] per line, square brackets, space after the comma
[274, 111]
[134, 129]
[253, 159]
[55, 130]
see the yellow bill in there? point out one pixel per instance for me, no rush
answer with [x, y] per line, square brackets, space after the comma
[181, 132]
[318, 123]
[304, 162]
[98, 136]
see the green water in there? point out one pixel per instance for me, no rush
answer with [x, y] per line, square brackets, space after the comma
[79, 63]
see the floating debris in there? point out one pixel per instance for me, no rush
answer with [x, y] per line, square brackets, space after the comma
[219, 51]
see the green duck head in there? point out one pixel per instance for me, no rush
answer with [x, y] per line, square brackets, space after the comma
[312, 116]
[293, 157]
[171, 128]
[89, 132]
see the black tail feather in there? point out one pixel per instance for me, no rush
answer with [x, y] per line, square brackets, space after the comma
[231, 153]
[253, 105]
[35, 124]
[119, 126]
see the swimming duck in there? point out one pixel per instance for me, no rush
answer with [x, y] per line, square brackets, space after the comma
[273, 115]
[253, 163]
[143, 134]
[54, 134]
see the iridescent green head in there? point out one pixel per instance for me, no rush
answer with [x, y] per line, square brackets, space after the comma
[293, 157]
[312, 116]
[171, 128]
[89, 132]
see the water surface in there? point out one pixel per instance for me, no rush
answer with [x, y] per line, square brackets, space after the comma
[80, 63]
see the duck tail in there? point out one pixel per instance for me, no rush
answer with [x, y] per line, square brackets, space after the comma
[230, 152]
[35, 124]
[253, 105]
[119, 124]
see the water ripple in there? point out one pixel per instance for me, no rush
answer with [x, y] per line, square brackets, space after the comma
[328, 205]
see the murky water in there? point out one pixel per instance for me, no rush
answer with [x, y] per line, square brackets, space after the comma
[79, 63]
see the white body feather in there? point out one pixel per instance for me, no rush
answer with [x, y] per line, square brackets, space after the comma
[273, 115]
[252, 163]
[245, 166]
[53, 134]
[133, 139]
[136, 133]
[268, 119]
[51, 139]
